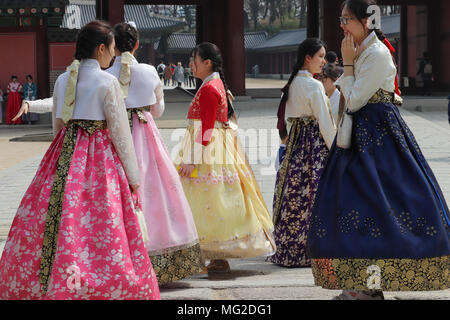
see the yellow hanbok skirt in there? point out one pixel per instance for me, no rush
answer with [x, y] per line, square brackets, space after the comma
[229, 211]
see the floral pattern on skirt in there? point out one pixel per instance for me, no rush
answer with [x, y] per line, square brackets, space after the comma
[229, 211]
[379, 211]
[295, 190]
[100, 253]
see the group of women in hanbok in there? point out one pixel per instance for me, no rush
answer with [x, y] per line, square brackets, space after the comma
[77, 233]
[354, 198]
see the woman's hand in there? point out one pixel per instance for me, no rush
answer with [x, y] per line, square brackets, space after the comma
[23, 109]
[348, 49]
[186, 170]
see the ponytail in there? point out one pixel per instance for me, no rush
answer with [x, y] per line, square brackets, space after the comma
[380, 34]
[230, 113]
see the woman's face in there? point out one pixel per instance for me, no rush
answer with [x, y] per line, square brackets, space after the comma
[201, 68]
[314, 64]
[105, 54]
[353, 26]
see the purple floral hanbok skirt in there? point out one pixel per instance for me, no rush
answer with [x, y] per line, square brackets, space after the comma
[295, 190]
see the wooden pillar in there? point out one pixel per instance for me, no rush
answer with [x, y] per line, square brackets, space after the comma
[42, 52]
[151, 54]
[444, 50]
[403, 56]
[312, 18]
[222, 23]
[412, 43]
[332, 32]
[434, 16]
[112, 11]
[235, 49]
[199, 16]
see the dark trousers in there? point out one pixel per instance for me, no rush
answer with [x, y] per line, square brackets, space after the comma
[427, 84]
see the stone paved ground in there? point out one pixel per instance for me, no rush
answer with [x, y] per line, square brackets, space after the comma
[250, 278]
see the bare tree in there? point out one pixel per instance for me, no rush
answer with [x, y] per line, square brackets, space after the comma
[302, 14]
[254, 7]
[188, 16]
[273, 8]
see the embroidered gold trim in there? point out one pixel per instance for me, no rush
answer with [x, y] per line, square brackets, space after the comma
[383, 274]
[140, 114]
[53, 217]
[383, 96]
[177, 265]
[294, 135]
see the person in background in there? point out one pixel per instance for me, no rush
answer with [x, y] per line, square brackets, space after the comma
[160, 69]
[172, 71]
[179, 74]
[330, 73]
[187, 71]
[426, 70]
[191, 74]
[167, 75]
[14, 100]
[331, 57]
[255, 70]
[30, 94]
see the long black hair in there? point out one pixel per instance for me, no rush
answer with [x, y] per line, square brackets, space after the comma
[126, 37]
[90, 36]
[308, 47]
[359, 9]
[208, 50]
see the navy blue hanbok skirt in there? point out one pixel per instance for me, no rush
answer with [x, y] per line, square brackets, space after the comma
[380, 220]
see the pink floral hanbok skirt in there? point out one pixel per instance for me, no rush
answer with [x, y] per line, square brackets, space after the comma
[99, 253]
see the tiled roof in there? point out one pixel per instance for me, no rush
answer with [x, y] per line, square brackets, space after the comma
[187, 41]
[33, 3]
[137, 13]
[283, 39]
[253, 39]
[181, 41]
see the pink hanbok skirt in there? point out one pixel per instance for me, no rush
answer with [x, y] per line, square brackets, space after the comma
[99, 253]
[173, 244]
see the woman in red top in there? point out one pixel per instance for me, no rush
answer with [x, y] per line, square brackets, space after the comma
[231, 217]
[14, 100]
